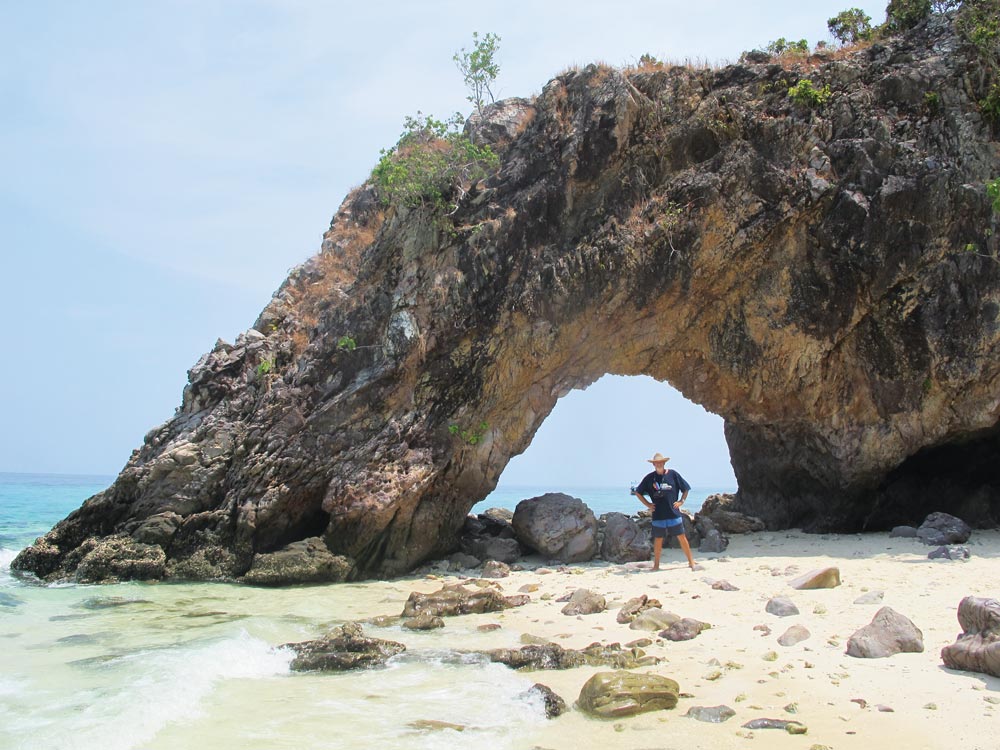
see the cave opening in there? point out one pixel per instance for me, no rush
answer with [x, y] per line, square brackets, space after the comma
[595, 442]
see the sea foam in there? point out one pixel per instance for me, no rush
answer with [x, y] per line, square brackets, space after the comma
[154, 689]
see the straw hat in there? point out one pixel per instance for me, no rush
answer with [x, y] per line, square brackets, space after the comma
[659, 458]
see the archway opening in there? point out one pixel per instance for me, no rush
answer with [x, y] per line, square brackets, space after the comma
[595, 443]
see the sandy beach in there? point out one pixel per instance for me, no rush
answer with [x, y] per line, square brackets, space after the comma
[845, 702]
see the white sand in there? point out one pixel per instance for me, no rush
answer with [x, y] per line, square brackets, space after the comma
[836, 696]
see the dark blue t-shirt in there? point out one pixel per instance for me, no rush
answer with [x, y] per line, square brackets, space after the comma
[663, 490]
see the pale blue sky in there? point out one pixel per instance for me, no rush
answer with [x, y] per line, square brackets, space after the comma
[164, 164]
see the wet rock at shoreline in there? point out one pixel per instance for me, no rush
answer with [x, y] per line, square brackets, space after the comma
[306, 561]
[423, 622]
[978, 646]
[612, 695]
[119, 558]
[554, 705]
[557, 526]
[343, 649]
[455, 599]
[888, 633]
[549, 655]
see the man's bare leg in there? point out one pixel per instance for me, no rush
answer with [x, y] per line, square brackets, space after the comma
[657, 549]
[682, 538]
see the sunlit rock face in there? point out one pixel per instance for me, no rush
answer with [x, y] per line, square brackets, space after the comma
[817, 276]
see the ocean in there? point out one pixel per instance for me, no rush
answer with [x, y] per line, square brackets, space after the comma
[172, 666]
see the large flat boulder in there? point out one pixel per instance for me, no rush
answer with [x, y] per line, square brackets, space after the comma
[612, 695]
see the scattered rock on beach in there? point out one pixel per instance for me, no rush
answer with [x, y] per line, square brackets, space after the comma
[462, 561]
[781, 606]
[792, 727]
[495, 569]
[557, 526]
[903, 532]
[872, 597]
[724, 586]
[684, 629]
[795, 634]
[654, 618]
[611, 695]
[949, 553]
[342, 649]
[888, 633]
[978, 647]
[635, 607]
[822, 578]
[711, 714]
[584, 602]
[553, 704]
[943, 528]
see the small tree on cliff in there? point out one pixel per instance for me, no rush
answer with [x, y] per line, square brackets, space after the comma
[479, 68]
[850, 26]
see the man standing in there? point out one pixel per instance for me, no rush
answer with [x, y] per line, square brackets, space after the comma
[663, 488]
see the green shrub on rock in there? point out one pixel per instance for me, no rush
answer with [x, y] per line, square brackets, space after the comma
[806, 94]
[905, 14]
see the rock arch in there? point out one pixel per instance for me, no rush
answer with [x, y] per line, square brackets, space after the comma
[800, 272]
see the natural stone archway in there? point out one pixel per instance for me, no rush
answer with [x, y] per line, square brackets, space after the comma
[800, 272]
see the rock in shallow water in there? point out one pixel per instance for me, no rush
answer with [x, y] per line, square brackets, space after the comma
[343, 649]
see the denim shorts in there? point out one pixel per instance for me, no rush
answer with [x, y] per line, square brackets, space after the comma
[668, 527]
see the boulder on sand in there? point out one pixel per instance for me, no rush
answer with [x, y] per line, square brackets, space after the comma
[557, 526]
[888, 633]
[978, 647]
[611, 695]
[624, 540]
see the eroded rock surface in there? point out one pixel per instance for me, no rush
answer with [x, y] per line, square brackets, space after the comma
[802, 272]
[343, 649]
[978, 647]
[609, 695]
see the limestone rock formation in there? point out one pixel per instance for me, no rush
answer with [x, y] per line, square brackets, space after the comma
[825, 279]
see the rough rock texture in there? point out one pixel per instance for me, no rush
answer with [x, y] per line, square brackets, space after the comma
[624, 540]
[585, 602]
[719, 510]
[802, 272]
[554, 656]
[455, 600]
[943, 528]
[635, 607]
[888, 633]
[557, 526]
[554, 705]
[610, 695]
[308, 561]
[654, 618]
[978, 647]
[684, 629]
[345, 648]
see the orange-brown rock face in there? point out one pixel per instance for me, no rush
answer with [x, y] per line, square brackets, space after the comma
[802, 272]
